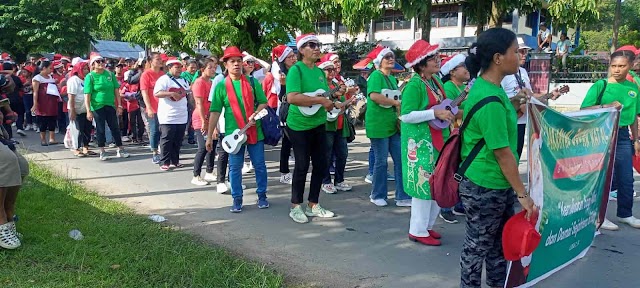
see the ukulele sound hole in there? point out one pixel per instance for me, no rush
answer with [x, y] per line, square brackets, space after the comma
[235, 137]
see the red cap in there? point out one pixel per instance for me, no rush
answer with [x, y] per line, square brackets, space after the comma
[519, 236]
[29, 68]
[231, 51]
[57, 56]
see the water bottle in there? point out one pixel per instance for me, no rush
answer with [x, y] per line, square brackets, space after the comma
[75, 234]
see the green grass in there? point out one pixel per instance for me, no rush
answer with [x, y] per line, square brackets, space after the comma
[120, 248]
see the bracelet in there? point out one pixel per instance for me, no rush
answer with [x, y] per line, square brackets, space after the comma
[526, 194]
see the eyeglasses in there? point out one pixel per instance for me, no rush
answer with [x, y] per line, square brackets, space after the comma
[313, 45]
[389, 57]
[250, 62]
[292, 56]
[330, 70]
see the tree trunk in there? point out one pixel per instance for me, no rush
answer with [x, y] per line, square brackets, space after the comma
[480, 20]
[425, 22]
[616, 26]
[495, 20]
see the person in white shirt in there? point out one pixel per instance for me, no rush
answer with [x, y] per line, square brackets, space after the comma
[171, 91]
[77, 109]
[563, 49]
[519, 84]
[544, 38]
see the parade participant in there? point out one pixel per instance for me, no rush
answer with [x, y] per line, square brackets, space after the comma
[241, 104]
[147, 84]
[191, 73]
[307, 133]
[512, 85]
[15, 99]
[382, 128]
[616, 91]
[171, 91]
[200, 121]
[123, 119]
[454, 75]
[77, 109]
[45, 102]
[26, 76]
[633, 76]
[274, 84]
[421, 144]
[487, 189]
[101, 95]
[59, 75]
[337, 132]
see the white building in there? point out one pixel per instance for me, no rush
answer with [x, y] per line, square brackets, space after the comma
[449, 27]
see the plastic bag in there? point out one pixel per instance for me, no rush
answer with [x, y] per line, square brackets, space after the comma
[71, 137]
[636, 163]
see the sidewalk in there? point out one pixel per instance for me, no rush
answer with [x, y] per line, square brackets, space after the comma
[364, 246]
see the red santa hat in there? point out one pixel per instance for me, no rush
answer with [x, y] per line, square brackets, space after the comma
[304, 38]
[325, 62]
[65, 58]
[332, 56]
[419, 51]
[280, 53]
[57, 64]
[57, 56]
[173, 60]
[378, 53]
[94, 58]
[519, 236]
[450, 63]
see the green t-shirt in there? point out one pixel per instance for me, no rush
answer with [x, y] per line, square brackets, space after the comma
[452, 90]
[190, 78]
[635, 77]
[497, 123]
[626, 93]
[102, 87]
[302, 79]
[380, 122]
[220, 100]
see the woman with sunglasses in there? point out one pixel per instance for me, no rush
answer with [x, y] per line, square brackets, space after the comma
[336, 134]
[382, 127]
[101, 95]
[275, 88]
[45, 102]
[307, 133]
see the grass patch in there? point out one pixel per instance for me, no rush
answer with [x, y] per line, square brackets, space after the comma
[120, 248]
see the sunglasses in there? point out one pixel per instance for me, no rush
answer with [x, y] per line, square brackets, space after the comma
[250, 62]
[99, 61]
[313, 45]
[389, 57]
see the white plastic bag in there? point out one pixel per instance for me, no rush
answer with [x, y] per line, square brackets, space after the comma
[71, 137]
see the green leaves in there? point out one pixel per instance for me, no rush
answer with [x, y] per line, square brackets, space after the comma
[574, 12]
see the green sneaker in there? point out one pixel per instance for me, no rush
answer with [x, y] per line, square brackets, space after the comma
[318, 211]
[298, 215]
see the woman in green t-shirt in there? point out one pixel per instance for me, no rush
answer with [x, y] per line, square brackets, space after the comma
[617, 91]
[421, 143]
[307, 133]
[383, 128]
[487, 190]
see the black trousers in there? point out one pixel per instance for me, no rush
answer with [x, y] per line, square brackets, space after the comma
[308, 145]
[170, 141]
[285, 152]
[522, 128]
[223, 160]
[108, 115]
[47, 123]
[203, 154]
[124, 123]
[137, 124]
[84, 126]
[62, 119]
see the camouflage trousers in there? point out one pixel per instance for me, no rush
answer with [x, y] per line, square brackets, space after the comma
[487, 211]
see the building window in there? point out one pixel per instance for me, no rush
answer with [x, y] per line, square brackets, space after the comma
[531, 19]
[392, 20]
[324, 27]
[444, 16]
[342, 28]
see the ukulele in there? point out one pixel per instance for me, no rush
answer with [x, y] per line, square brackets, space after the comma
[335, 112]
[313, 109]
[450, 105]
[391, 94]
[232, 142]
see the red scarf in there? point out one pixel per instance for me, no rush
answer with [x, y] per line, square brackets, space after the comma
[247, 99]
[436, 135]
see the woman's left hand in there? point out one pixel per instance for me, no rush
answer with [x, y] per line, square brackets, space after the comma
[119, 111]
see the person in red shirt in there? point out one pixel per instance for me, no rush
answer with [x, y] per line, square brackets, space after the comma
[147, 83]
[200, 121]
[59, 75]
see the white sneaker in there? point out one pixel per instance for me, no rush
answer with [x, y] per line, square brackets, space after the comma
[286, 178]
[122, 154]
[329, 189]
[632, 221]
[608, 225]
[21, 132]
[229, 185]
[27, 127]
[210, 177]
[125, 139]
[112, 145]
[292, 160]
[343, 187]
[403, 203]
[8, 239]
[318, 211]
[368, 179]
[379, 202]
[245, 168]
[222, 188]
[198, 181]
[103, 156]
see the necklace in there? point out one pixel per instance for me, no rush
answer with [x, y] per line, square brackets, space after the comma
[432, 86]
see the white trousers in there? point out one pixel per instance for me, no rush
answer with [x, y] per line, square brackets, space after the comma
[423, 215]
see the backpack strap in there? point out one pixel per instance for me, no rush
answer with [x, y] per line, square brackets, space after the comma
[459, 175]
[599, 101]
[253, 88]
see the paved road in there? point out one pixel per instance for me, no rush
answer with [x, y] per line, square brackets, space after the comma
[364, 246]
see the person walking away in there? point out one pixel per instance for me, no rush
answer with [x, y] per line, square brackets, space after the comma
[101, 95]
[241, 102]
[382, 128]
[171, 91]
[616, 91]
[488, 186]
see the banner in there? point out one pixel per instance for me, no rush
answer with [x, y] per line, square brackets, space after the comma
[570, 163]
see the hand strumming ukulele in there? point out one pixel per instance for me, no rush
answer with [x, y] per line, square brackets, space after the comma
[313, 109]
[451, 105]
[232, 142]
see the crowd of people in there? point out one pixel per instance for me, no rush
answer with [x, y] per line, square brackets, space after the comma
[166, 99]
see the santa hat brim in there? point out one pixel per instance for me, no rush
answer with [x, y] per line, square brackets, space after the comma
[305, 39]
[285, 53]
[433, 49]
